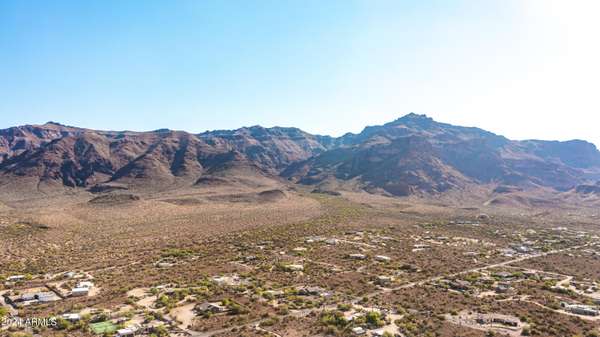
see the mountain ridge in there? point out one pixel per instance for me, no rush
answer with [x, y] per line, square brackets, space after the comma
[413, 154]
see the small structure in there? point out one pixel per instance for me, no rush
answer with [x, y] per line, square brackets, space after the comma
[82, 289]
[274, 293]
[382, 258]
[294, 267]
[358, 256]
[504, 275]
[503, 288]
[505, 321]
[128, 332]
[313, 291]
[460, 285]
[15, 278]
[80, 292]
[358, 331]
[521, 249]
[580, 309]
[71, 317]
[384, 281]
[213, 307]
[164, 264]
[85, 284]
[31, 297]
[69, 274]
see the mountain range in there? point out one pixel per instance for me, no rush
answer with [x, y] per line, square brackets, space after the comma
[411, 155]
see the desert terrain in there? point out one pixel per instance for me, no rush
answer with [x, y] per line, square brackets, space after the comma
[275, 232]
[284, 260]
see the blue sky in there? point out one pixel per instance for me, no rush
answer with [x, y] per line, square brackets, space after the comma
[521, 68]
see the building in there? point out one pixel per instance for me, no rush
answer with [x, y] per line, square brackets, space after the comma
[294, 267]
[357, 256]
[71, 317]
[80, 291]
[503, 288]
[358, 331]
[313, 291]
[580, 309]
[85, 284]
[384, 281]
[15, 278]
[213, 307]
[521, 249]
[504, 275]
[46, 296]
[382, 258]
[274, 293]
[381, 333]
[69, 274]
[128, 332]
[460, 285]
[31, 298]
[505, 321]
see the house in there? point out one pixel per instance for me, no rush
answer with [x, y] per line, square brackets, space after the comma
[274, 293]
[80, 291]
[382, 258]
[502, 288]
[384, 280]
[85, 284]
[46, 296]
[460, 285]
[505, 321]
[69, 274]
[381, 333]
[213, 307]
[31, 298]
[15, 278]
[128, 332]
[313, 291]
[357, 256]
[354, 316]
[521, 249]
[580, 309]
[294, 267]
[71, 317]
[164, 264]
[358, 331]
[504, 275]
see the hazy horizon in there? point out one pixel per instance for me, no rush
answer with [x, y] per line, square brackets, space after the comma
[521, 69]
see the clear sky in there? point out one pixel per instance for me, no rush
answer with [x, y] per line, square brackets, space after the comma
[521, 68]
